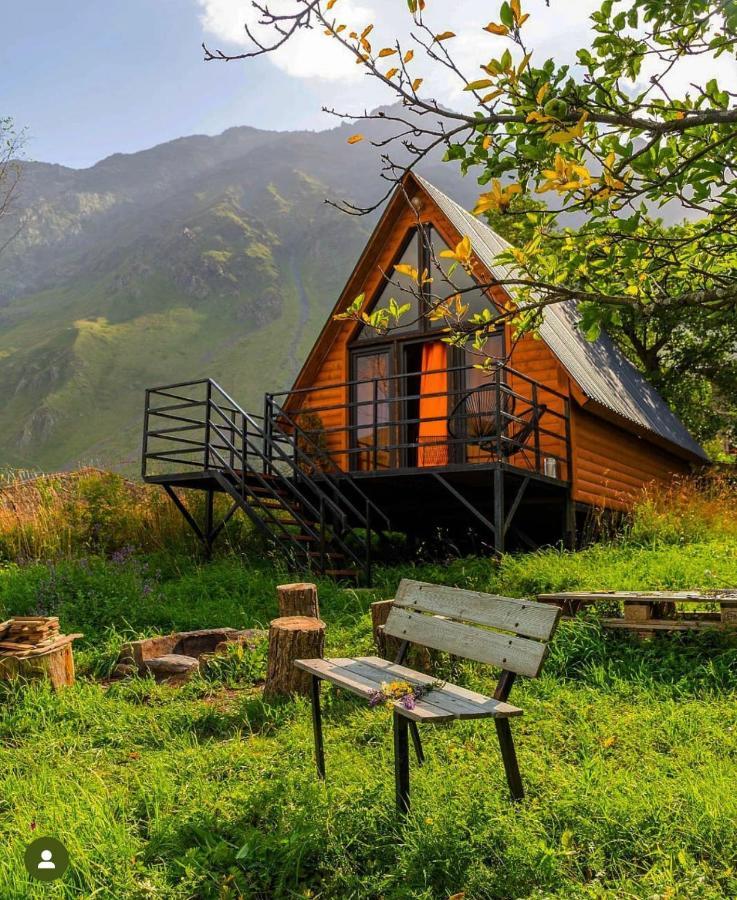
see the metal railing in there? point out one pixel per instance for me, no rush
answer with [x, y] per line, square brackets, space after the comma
[382, 423]
[197, 427]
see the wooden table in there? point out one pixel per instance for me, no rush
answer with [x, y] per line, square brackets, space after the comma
[651, 611]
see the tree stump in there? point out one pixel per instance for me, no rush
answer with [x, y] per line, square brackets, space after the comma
[55, 665]
[291, 638]
[387, 647]
[298, 600]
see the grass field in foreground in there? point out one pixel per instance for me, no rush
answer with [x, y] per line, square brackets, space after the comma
[628, 751]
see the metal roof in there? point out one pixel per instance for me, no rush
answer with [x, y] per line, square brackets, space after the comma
[599, 368]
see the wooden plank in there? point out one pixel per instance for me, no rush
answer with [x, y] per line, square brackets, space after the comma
[394, 670]
[664, 624]
[442, 704]
[506, 651]
[335, 671]
[523, 617]
[631, 596]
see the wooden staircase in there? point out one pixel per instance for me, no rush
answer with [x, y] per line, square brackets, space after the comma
[197, 437]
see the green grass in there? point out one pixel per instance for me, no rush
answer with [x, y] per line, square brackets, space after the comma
[628, 750]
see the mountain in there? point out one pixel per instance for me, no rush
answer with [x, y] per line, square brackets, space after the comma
[204, 256]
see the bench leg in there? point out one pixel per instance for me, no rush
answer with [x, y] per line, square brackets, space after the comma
[401, 761]
[509, 758]
[415, 732]
[317, 727]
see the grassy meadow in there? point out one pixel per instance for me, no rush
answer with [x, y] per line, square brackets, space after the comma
[628, 750]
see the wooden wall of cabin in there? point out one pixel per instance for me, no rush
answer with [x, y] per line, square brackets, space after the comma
[611, 466]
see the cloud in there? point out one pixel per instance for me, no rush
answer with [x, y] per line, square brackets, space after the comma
[556, 31]
[308, 54]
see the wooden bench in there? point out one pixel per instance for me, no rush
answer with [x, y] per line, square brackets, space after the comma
[510, 634]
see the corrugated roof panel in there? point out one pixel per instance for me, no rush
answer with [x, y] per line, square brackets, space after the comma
[600, 369]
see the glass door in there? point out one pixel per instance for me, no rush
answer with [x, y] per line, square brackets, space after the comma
[370, 411]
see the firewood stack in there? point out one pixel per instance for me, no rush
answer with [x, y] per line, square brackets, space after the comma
[33, 647]
[29, 633]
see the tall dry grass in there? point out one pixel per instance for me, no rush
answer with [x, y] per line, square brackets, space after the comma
[90, 511]
[691, 510]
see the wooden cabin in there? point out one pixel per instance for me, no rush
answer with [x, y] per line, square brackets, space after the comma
[399, 431]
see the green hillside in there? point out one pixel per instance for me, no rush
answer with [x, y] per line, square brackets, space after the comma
[202, 257]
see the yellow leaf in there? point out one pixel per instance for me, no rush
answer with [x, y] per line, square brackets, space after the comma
[478, 85]
[331, 3]
[492, 96]
[609, 742]
[408, 270]
[355, 139]
[516, 11]
[408, 56]
[540, 96]
[445, 36]
[522, 20]
[365, 44]
[367, 31]
[488, 140]
[493, 28]
[523, 65]
[387, 51]
[340, 28]
[416, 84]
[391, 73]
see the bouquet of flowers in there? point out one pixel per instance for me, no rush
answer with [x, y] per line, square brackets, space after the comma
[408, 694]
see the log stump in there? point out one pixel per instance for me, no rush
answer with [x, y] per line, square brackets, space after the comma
[418, 657]
[291, 638]
[298, 600]
[55, 665]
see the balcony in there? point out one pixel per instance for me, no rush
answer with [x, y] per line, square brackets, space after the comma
[442, 419]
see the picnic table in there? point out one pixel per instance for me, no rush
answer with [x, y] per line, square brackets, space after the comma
[652, 611]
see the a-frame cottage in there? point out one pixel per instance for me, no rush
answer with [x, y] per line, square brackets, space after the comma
[400, 432]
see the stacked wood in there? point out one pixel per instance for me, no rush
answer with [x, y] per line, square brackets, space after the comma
[24, 632]
[292, 638]
[298, 600]
[33, 647]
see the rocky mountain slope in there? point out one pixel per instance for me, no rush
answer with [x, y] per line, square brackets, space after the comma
[204, 256]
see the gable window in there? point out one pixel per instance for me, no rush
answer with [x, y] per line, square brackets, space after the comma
[422, 252]
[410, 320]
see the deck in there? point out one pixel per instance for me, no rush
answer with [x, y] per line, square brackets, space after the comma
[488, 470]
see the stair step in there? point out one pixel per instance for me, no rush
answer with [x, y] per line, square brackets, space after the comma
[348, 573]
[331, 554]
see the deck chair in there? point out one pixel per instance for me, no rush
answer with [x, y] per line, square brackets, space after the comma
[517, 441]
[475, 416]
[512, 635]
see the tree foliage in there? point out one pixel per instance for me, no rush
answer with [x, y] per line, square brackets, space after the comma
[607, 140]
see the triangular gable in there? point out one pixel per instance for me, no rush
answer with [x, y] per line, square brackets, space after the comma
[599, 369]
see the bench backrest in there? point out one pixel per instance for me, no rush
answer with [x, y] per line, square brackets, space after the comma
[460, 622]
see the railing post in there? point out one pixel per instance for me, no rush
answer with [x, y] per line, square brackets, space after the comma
[232, 438]
[144, 449]
[268, 413]
[208, 414]
[375, 410]
[536, 420]
[368, 544]
[498, 389]
[567, 413]
[322, 535]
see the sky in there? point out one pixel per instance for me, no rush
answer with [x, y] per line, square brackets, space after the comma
[94, 77]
